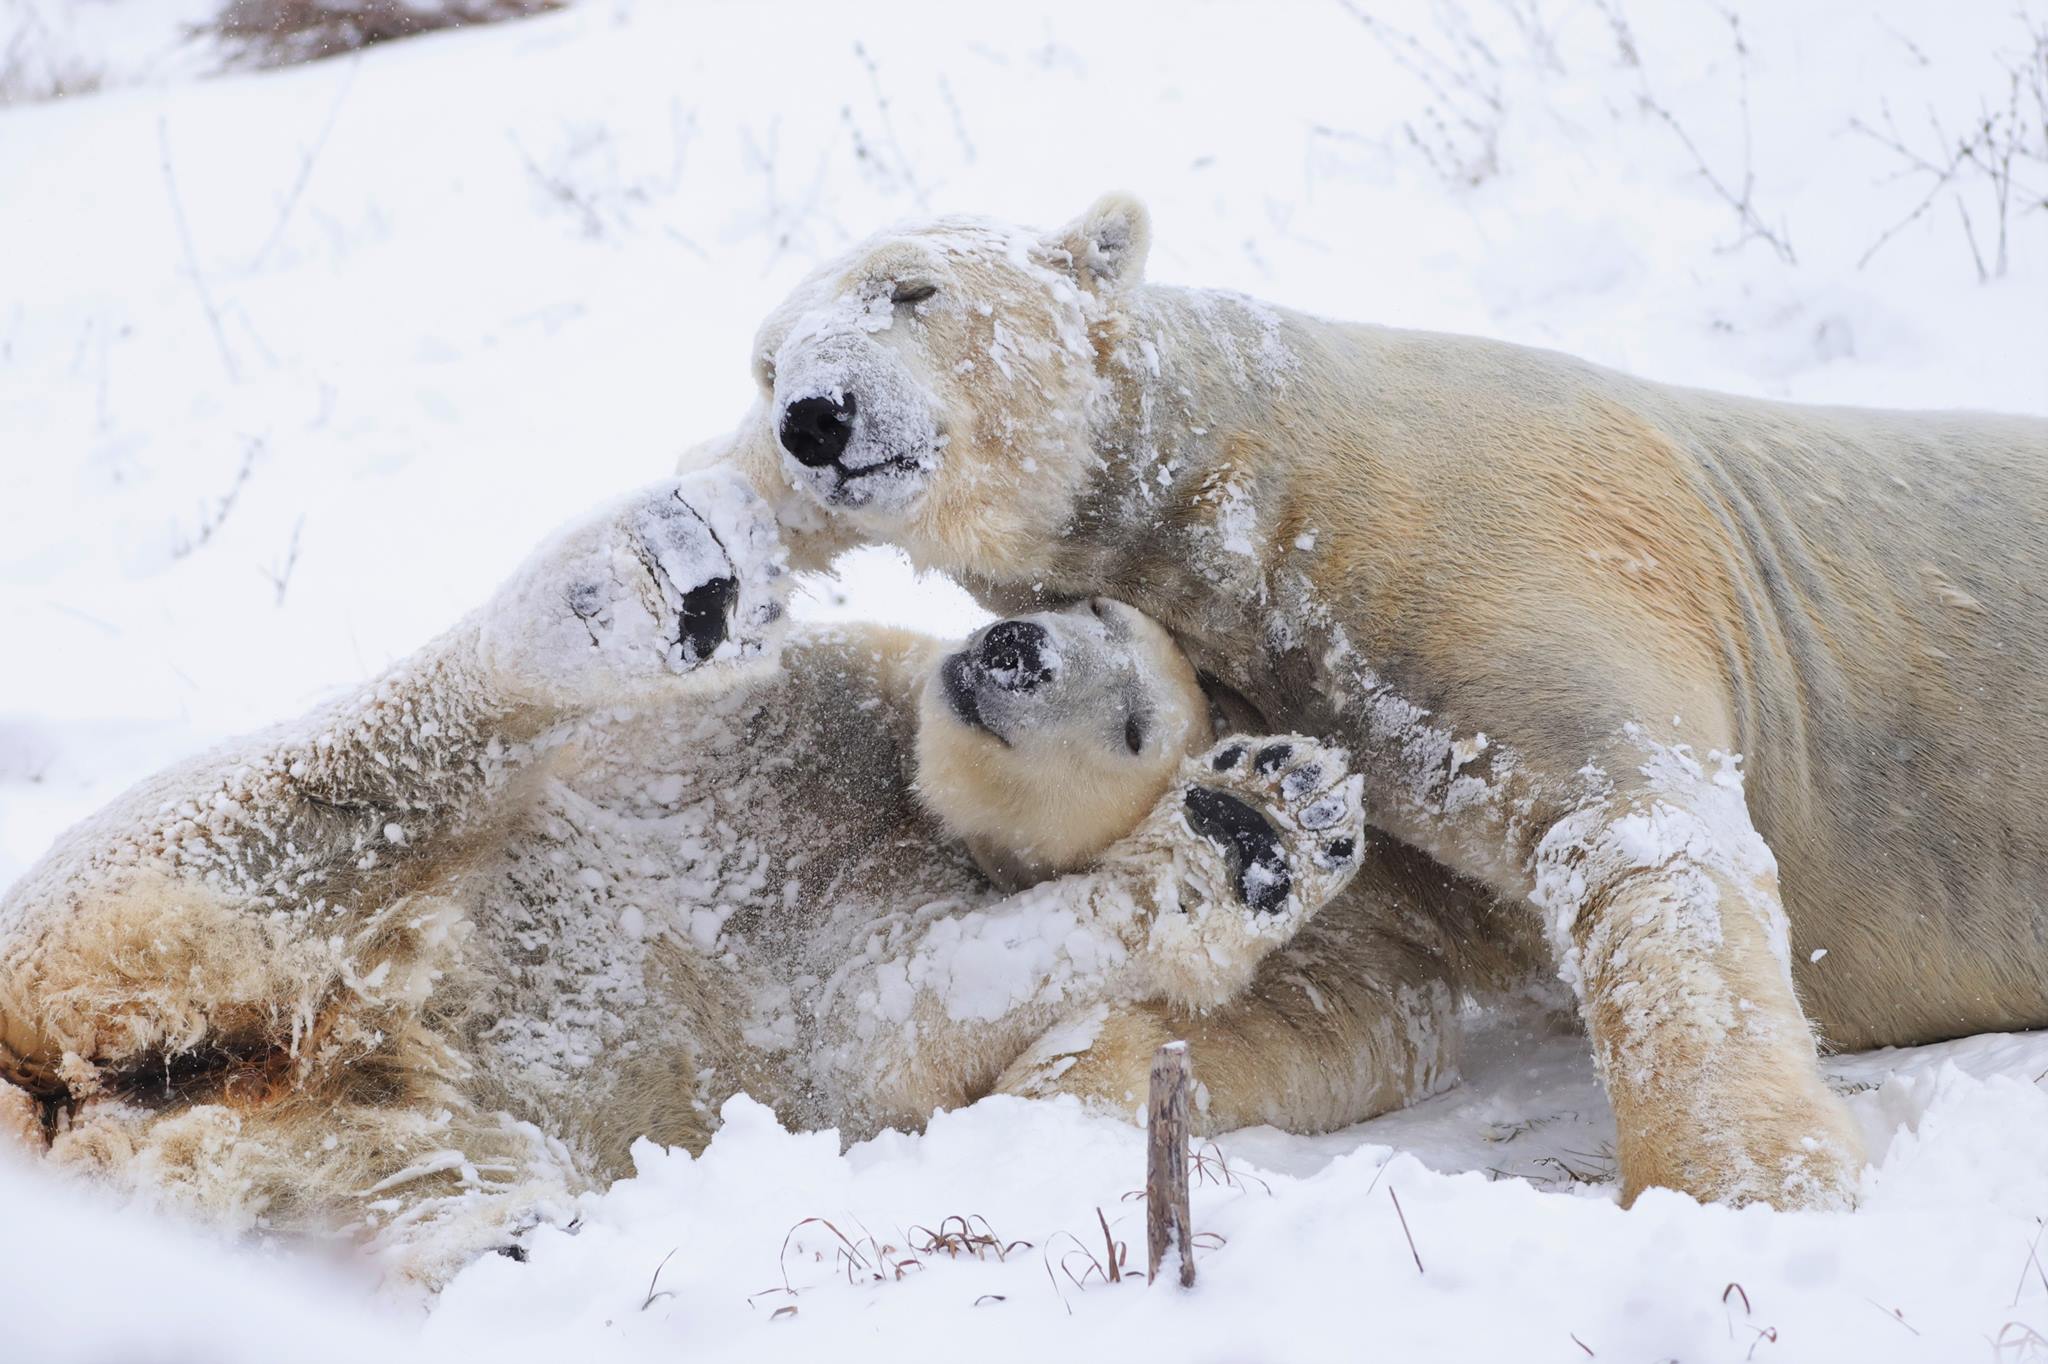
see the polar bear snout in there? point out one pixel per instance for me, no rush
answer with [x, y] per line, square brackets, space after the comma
[1006, 682]
[815, 430]
[849, 413]
[1016, 655]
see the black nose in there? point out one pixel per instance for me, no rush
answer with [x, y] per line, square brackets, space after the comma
[1013, 655]
[815, 430]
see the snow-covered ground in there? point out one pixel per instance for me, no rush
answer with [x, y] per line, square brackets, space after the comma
[294, 366]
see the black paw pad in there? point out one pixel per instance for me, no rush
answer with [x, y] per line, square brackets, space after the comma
[588, 601]
[1302, 780]
[1272, 756]
[704, 613]
[1263, 881]
[1338, 851]
[1325, 812]
[1228, 758]
[513, 1252]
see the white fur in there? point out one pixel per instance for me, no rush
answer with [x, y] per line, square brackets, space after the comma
[417, 968]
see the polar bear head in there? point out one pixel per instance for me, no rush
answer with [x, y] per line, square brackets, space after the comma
[1047, 737]
[931, 387]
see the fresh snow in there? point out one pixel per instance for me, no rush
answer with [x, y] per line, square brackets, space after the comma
[296, 366]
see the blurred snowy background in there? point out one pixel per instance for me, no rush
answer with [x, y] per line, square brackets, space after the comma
[297, 358]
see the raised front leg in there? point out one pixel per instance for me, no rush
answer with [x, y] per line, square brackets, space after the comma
[1663, 911]
[1254, 838]
[295, 894]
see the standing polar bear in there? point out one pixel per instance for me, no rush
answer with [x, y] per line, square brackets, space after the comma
[1746, 703]
[427, 961]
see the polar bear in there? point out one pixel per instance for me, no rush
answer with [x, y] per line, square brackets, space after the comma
[424, 963]
[1741, 702]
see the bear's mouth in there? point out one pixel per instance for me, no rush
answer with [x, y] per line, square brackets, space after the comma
[886, 479]
[906, 464]
[957, 676]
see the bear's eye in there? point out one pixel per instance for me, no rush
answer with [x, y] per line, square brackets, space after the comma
[912, 293]
[764, 370]
[1134, 733]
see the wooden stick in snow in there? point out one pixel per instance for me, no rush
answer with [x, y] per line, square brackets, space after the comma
[1166, 1162]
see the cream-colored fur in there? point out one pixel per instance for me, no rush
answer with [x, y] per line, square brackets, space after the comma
[1548, 605]
[417, 968]
[1050, 797]
[21, 1120]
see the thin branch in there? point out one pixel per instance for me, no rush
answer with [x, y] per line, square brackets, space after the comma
[220, 336]
[306, 164]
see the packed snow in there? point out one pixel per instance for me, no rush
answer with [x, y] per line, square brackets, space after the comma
[296, 366]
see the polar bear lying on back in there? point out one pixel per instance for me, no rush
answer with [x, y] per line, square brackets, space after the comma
[433, 957]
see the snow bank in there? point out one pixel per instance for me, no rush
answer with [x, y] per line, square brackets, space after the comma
[1307, 1256]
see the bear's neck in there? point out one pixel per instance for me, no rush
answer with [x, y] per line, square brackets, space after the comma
[1197, 515]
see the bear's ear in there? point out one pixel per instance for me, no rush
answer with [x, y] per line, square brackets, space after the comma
[1104, 249]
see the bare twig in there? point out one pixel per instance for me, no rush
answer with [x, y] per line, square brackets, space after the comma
[1113, 1249]
[1458, 131]
[2017, 1340]
[952, 104]
[654, 1278]
[2033, 1262]
[2003, 151]
[211, 518]
[958, 1235]
[280, 577]
[1741, 198]
[198, 277]
[306, 164]
[1763, 1334]
[1404, 1228]
[900, 167]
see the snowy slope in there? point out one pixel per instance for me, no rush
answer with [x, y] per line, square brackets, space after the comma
[294, 366]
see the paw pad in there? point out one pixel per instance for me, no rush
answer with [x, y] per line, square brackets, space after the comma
[1332, 809]
[1273, 757]
[1280, 818]
[1258, 866]
[704, 614]
[1336, 853]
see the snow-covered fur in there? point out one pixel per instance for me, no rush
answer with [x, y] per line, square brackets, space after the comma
[1039, 752]
[420, 966]
[1743, 701]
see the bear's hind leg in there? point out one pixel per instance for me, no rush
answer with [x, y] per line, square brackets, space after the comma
[21, 1119]
[419, 1189]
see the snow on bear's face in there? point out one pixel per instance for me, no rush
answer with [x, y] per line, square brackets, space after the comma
[930, 388]
[1047, 737]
